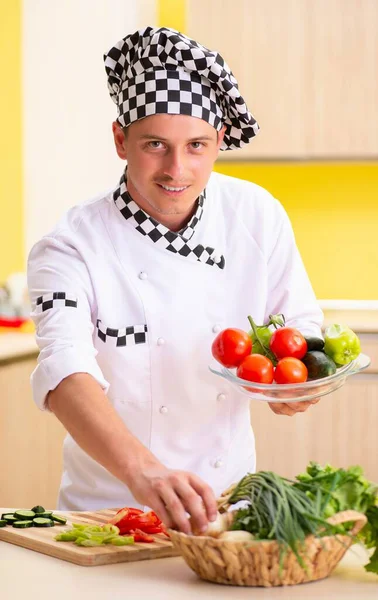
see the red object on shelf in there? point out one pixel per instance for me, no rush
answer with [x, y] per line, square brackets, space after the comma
[12, 321]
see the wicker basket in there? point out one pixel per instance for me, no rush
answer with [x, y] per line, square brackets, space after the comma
[256, 563]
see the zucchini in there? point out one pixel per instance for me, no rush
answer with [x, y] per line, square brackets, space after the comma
[38, 509]
[3, 523]
[318, 365]
[24, 514]
[58, 519]
[22, 524]
[42, 522]
[314, 343]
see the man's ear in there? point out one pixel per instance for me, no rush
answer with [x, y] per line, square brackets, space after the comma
[220, 137]
[119, 140]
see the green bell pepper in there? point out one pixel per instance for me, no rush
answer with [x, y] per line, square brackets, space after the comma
[341, 344]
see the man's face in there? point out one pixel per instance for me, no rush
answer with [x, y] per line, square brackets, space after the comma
[169, 160]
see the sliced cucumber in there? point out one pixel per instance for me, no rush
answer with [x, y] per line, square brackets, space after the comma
[24, 514]
[59, 519]
[45, 515]
[38, 509]
[3, 523]
[22, 524]
[42, 522]
[9, 517]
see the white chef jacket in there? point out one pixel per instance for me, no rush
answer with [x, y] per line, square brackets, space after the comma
[117, 295]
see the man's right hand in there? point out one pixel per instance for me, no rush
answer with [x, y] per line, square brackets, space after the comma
[172, 494]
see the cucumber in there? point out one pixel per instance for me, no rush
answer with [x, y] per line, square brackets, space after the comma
[3, 523]
[318, 365]
[45, 515]
[24, 514]
[58, 519]
[314, 343]
[22, 524]
[42, 522]
[38, 509]
[9, 517]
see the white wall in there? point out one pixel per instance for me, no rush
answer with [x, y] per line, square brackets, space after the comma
[68, 150]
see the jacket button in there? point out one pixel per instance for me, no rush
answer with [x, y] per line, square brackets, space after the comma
[160, 341]
[216, 328]
[221, 397]
[218, 464]
[163, 410]
[143, 275]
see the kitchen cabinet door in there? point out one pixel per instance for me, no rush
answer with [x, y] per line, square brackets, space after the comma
[341, 430]
[264, 44]
[342, 80]
[308, 70]
[30, 442]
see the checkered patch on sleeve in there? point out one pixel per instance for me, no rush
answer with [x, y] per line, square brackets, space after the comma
[127, 336]
[55, 300]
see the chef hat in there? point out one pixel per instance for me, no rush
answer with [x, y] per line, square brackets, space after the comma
[162, 71]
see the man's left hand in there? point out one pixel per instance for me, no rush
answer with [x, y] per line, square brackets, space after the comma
[291, 408]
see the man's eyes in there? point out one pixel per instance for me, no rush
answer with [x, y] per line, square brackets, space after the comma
[156, 144]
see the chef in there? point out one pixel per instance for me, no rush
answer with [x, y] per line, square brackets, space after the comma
[130, 289]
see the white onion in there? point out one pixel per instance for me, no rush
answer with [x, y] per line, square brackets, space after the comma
[236, 536]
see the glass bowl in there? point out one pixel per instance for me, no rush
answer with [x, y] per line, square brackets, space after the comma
[294, 392]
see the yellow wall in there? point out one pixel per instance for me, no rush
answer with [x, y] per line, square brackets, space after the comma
[11, 208]
[172, 13]
[334, 211]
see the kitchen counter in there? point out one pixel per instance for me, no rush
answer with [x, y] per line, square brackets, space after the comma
[32, 575]
[17, 346]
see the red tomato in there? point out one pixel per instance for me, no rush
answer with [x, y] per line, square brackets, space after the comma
[231, 346]
[256, 367]
[290, 370]
[287, 341]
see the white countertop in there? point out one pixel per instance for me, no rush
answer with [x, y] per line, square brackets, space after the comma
[30, 575]
[14, 346]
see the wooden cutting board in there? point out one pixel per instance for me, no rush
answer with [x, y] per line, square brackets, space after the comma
[41, 539]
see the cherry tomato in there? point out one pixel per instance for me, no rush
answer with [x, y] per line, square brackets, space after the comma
[288, 341]
[231, 346]
[290, 370]
[256, 367]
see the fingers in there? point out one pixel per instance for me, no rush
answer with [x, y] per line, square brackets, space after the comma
[291, 408]
[180, 494]
[158, 507]
[193, 505]
[175, 508]
[207, 496]
[281, 408]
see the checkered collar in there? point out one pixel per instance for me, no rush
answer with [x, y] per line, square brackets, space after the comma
[176, 242]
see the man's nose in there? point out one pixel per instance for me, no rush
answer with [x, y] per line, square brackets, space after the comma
[174, 166]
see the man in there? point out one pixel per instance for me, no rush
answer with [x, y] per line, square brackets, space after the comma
[130, 289]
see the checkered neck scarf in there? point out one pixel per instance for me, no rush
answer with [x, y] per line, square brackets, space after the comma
[157, 71]
[176, 242]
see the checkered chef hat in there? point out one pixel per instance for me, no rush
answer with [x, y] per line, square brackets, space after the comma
[162, 71]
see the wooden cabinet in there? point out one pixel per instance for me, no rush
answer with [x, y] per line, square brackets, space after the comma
[341, 429]
[307, 68]
[30, 442]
